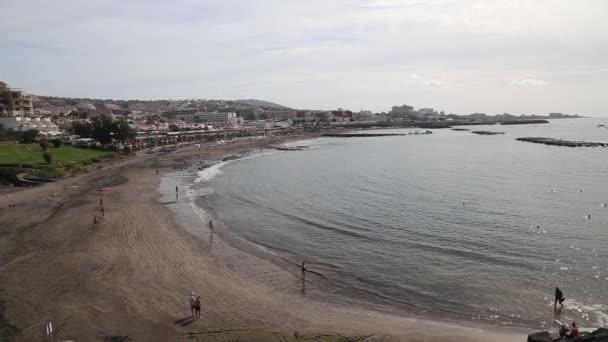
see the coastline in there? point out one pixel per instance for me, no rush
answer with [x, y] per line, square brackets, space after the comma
[130, 277]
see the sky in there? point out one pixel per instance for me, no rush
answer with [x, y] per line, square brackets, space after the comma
[460, 56]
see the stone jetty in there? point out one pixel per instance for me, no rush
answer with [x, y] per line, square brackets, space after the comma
[562, 142]
[354, 135]
[487, 132]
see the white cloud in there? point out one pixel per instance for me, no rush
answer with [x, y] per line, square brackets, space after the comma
[416, 79]
[314, 54]
[529, 82]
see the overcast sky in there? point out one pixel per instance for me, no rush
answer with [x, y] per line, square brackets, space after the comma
[461, 56]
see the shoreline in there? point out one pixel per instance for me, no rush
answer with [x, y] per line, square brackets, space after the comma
[131, 276]
[322, 286]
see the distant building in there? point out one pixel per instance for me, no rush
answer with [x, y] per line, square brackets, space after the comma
[187, 115]
[24, 123]
[226, 117]
[15, 102]
[86, 107]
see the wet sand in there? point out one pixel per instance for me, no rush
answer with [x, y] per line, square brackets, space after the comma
[131, 275]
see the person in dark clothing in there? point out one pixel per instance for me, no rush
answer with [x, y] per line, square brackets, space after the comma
[197, 306]
[157, 172]
[559, 297]
[303, 268]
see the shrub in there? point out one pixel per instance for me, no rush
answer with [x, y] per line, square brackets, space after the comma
[44, 144]
[57, 142]
[9, 175]
[48, 157]
[48, 172]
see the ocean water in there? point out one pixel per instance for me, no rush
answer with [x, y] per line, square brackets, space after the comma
[442, 224]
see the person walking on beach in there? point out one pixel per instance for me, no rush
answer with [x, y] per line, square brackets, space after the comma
[157, 172]
[95, 222]
[192, 303]
[211, 225]
[101, 201]
[303, 269]
[559, 297]
[103, 213]
[197, 307]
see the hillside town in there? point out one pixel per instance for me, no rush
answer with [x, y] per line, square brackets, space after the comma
[151, 120]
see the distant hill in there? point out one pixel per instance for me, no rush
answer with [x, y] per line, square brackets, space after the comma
[260, 103]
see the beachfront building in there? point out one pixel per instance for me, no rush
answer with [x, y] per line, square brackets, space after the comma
[219, 117]
[15, 102]
[24, 123]
[187, 115]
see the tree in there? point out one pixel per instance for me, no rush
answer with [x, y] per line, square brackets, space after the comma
[122, 130]
[57, 142]
[44, 144]
[173, 128]
[29, 136]
[103, 127]
[48, 157]
[82, 129]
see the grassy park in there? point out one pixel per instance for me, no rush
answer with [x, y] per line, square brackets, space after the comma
[12, 153]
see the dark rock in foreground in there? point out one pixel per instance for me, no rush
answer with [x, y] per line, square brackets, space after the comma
[562, 142]
[600, 335]
[487, 132]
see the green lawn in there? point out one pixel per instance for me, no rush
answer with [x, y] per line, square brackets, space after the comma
[11, 153]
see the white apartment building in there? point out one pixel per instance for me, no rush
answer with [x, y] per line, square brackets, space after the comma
[23, 123]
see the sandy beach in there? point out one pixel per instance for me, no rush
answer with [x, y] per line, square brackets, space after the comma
[131, 275]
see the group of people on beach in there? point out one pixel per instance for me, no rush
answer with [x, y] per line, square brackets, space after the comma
[195, 305]
[565, 331]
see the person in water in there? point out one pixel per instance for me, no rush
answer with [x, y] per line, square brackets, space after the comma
[559, 297]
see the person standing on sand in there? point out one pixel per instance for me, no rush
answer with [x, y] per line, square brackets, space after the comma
[303, 269]
[103, 213]
[95, 222]
[192, 302]
[197, 307]
[157, 172]
[211, 224]
[101, 201]
[559, 297]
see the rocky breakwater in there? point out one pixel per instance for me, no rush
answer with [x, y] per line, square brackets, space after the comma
[562, 142]
[352, 135]
[524, 122]
[487, 132]
[600, 335]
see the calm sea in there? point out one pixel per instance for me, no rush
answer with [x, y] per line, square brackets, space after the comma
[434, 224]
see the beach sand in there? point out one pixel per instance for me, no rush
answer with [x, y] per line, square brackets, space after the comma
[131, 275]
